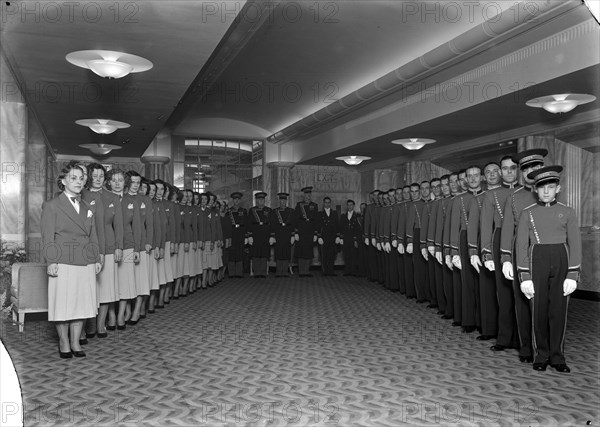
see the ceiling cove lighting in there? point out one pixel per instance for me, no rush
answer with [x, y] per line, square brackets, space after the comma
[413, 143]
[102, 126]
[108, 63]
[561, 103]
[100, 149]
[353, 160]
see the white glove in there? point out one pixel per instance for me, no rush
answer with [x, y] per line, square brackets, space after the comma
[245, 240]
[292, 240]
[314, 238]
[296, 237]
[320, 241]
[337, 240]
[475, 262]
[425, 254]
[438, 257]
[431, 250]
[271, 240]
[367, 241]
[401, 248]
[449, 262]
[378, 246]
[341, 241]
[527, 288]
[489, 265]
[395, 243]
[569, 285]
[456, 262]
[250, 240]
[507, 270]
[387, 247]
[409, 248]
[374, 241]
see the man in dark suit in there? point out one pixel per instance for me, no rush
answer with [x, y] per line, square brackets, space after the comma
[351, 232]
[257, 224]
[328, 236]
[305, 218]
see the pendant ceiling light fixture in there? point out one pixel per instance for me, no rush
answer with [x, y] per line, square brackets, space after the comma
[103, 126]
[100, 149]
[108, 63]
[413, 143]
[353, 160]
[561, 103]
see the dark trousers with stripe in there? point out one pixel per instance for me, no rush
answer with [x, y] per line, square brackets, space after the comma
[399, 261]
[372, 256]
[235, 268]
[448, 290]
[259, 266]
[420, 269]
[381, 266]
[409, 277]
[523, 316]
[549, 264]
[432, 279]
[457, 291]
[439, 285]
[488, 302]
[469, 282]
[507, 322]
[393, 283]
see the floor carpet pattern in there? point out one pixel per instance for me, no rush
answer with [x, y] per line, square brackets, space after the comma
[311, 351]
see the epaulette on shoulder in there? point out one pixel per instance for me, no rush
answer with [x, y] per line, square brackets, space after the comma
[561, 203]
[530, 206]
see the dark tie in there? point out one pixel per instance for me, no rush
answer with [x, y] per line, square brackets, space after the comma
[75, 199]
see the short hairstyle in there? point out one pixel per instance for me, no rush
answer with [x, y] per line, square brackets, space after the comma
[406, 186]
[326, 198]
[473, 167]
[462, 171]
[491, 163]
[91, 167]
[445, 176]
[435, 180]
[415, 184]
[65, 171]
[350, 201]
[509, 157]
[109, 176]
[128, 175]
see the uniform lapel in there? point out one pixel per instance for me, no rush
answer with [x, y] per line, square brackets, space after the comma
[66, 206]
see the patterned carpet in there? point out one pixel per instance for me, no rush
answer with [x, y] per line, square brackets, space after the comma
[320, 351]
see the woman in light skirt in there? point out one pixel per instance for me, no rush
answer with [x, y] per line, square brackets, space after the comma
[175, 232]
[165, 273]
[115, 181]
[133, 182]
[70, 247]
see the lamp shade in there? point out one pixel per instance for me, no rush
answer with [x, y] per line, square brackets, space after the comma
[413, 143]
[100, 149]
[353, 160]
[109, 64]
[560, 103]
[102, 126]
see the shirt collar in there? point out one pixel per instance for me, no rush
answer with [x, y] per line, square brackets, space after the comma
[552, 203]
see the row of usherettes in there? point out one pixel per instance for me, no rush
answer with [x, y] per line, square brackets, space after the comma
[155, 243]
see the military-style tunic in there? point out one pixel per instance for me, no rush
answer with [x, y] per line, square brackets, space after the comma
[237, 218]
[282, 229]
[305, 218]
[258, 227]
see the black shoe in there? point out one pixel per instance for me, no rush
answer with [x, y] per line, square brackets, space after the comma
[447, 316]
[151, 311]
[440, 312]
[110, 327]
[121, 327]
[456, 323]
[411, 297]
[432, 306]
[83, 341]
[469, 329]
[484, 337]
[159, 306]
[540, 366]
[65, 355]
[132, 322]
[525, 359]
[562, 367]
[142, 316]
[79, 354]
[90, 335]
[498, 347]
[102, 334]
[421, 301]
[168, 302]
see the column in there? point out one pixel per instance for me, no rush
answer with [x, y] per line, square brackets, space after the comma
[156, 167]
[279, 181]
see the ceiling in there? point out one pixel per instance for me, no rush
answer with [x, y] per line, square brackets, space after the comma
[248, 69]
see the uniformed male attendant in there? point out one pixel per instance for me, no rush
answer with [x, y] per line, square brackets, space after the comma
[459, 248]
[363, 268]
[369, 235]
[436, 290]
[259, 232]
[282, 235]
[328, 236]
[549, 257]
[416, 211]
[388, 233]
[529, 161]
[443, 275]
[409, 280]
[492, 216]
[237, 216]
[397, 236]
[485, 285]
[305, 218]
